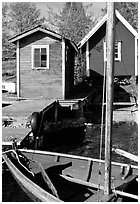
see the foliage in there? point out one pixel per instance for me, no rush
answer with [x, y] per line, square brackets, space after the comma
[8, 68]
[7, 48]
[17, 18]
[129, 10]
[72, 22]
[23, 16]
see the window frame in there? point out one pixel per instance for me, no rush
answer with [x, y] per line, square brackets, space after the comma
[47, 53]
[118, 59]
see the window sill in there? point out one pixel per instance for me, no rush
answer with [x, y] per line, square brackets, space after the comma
[40, 68]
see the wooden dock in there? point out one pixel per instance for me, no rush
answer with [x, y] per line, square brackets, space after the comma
[19, 111]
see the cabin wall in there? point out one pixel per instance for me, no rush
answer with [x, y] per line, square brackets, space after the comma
[127, 64]
[40, 83]
[96, 52]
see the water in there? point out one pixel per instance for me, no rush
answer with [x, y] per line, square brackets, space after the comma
[125, 136]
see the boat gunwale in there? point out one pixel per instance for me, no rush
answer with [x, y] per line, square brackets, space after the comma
[28, 184]
[73, 157]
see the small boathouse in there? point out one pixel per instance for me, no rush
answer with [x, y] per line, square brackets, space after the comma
[45, 64]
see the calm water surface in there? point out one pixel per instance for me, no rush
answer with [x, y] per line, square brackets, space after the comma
[125, 136]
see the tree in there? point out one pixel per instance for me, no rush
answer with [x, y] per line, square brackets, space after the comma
[17, 18]
[129, 10]
[75, 23]
[24, 16]
[8, 49]
[72, 22]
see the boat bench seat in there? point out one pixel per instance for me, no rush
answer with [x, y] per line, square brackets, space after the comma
[53, 167]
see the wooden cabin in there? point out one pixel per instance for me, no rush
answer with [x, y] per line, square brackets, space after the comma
[45, 64]
[93, 49]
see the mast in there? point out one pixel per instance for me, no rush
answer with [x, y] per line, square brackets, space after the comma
[109, 94]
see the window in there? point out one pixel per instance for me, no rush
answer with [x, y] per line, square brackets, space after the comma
[117, 51]
[40, 57]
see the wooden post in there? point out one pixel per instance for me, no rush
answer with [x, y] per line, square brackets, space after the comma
[63, 67]
[18, 82]
[87, 58]
[56, 111]
[136, 57]
[109, 95]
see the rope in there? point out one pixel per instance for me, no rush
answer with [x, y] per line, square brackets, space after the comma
[17, 157]
[102, 123]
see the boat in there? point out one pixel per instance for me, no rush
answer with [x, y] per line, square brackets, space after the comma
[56, 177]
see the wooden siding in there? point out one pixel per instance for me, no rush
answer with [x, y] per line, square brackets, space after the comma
[40, 83]
[96, 60]
[127, 64]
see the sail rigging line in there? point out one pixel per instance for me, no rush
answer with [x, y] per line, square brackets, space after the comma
[102, 125]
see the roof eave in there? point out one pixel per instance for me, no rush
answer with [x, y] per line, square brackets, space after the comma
[101, 22]
[96, 27]
[13, 40]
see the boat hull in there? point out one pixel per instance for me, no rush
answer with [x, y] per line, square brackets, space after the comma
[83, 172]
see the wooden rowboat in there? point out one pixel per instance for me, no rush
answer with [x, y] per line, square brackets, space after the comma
[62, 177]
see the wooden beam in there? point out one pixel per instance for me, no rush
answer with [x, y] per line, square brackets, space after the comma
[18, 70]
[63, 67]
[48, 181]
[87, 58]
[129, 195]
[136, 57]
[126, 154]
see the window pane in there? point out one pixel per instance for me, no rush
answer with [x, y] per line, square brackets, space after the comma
[36, 57]
[43, 51]
[43, 57]
[36, 50]
[43, 63]
[36, 63]
[40, 57]
[36, 54]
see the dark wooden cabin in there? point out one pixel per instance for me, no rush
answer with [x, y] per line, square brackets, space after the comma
[93, 48]
[45, 64]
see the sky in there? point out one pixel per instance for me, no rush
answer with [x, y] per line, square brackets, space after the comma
[96, 9]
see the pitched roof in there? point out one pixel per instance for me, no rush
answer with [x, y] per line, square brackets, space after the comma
[44, 30]
[101, 22]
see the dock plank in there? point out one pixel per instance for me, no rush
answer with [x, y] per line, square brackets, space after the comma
[24, 108]
[9, 133]
[19, 111]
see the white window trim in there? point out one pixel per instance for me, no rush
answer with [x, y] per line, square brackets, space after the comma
[40, 46]
[118, 59]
